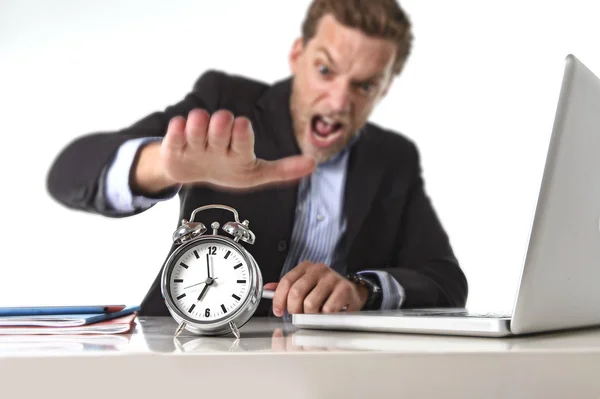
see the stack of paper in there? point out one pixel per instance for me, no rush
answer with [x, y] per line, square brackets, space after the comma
[67, 320]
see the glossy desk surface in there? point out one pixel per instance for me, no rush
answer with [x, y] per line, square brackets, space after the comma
[273, 356]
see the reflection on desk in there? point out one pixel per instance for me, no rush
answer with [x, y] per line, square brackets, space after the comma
[26, 345]
[156, 335]
[276, 335]
[573, 341]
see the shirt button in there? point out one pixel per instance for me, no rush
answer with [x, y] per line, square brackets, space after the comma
[320, 218]
[281, 246]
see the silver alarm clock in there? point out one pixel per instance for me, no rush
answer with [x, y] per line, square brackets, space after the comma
[211, 284]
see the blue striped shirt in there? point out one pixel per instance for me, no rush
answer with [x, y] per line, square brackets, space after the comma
[319, 227]
[320, 223]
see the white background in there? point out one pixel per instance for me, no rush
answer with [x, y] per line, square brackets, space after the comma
[478, 96]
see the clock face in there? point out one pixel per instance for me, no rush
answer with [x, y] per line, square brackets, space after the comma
[209, 281]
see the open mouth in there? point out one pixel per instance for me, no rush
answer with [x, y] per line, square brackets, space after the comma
[325, 130]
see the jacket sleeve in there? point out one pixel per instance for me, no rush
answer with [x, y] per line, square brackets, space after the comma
[425, 265]
[77, 174]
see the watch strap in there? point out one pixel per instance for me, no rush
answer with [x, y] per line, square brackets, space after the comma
[375, 296]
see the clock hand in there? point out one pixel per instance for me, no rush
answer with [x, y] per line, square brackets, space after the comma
[203, 292]
[209, 281]
[208, 265]
[193, 285]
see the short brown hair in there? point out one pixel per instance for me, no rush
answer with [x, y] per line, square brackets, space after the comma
[378, 18]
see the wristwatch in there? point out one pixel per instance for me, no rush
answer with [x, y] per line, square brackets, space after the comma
[375, 293]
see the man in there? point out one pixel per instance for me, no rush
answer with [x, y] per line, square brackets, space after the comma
[337, 204]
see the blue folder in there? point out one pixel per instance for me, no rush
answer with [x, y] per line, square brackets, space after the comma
[59, 316]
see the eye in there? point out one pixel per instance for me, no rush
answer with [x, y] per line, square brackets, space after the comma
[323, 70]
[366, 87]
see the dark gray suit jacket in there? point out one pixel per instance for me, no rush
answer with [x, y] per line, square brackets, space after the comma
[391, 224]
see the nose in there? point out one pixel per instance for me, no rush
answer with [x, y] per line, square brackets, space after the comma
[339, 97]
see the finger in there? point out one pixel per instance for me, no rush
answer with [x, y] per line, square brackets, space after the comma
[242, 137]
[299, 291]
[174, 140]
[290, 346]
[342, 295]
[315, 300]
[283, 288]
[286, 169]
[269, 290]
[278, 342]
[196, 127]
[219, 130]
[270, 286]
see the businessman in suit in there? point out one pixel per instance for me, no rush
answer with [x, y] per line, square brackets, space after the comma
[337, 203]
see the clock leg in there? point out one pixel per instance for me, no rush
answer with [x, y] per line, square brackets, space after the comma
[180, 328]
[234, 329]
[234, 346]
[178, 345]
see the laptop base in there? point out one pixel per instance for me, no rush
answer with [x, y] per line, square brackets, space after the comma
[419, 321]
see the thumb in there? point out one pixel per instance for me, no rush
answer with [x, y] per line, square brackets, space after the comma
[271, 286]
[286, 169]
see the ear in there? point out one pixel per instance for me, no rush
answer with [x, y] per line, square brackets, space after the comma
[295, 53]
[385, 90]
[387, 87]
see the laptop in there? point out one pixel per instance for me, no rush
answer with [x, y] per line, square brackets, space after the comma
[559, 285]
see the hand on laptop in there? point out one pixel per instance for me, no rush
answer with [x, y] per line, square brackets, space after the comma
[315, 288]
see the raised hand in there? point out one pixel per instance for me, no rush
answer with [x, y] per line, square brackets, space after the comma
[217, 149]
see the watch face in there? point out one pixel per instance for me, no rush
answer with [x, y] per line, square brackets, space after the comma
[209, 280]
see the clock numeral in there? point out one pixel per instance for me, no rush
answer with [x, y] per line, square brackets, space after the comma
[183, 265]
[196, 254]
[181, 296]
[227, 254]
[242, 281]
[207, 312]
[238, 265]
[212, 250]
[192, 307]
[178, 280]
[236, 297]
[224, 309]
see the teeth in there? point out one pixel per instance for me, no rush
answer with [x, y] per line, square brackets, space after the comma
[327, 120]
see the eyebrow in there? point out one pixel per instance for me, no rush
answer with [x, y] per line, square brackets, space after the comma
[327, 54]
[376, 77]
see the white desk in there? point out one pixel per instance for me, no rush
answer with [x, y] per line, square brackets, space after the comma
[274, 359]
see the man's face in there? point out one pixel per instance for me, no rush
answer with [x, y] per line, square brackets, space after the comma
[339, 76]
